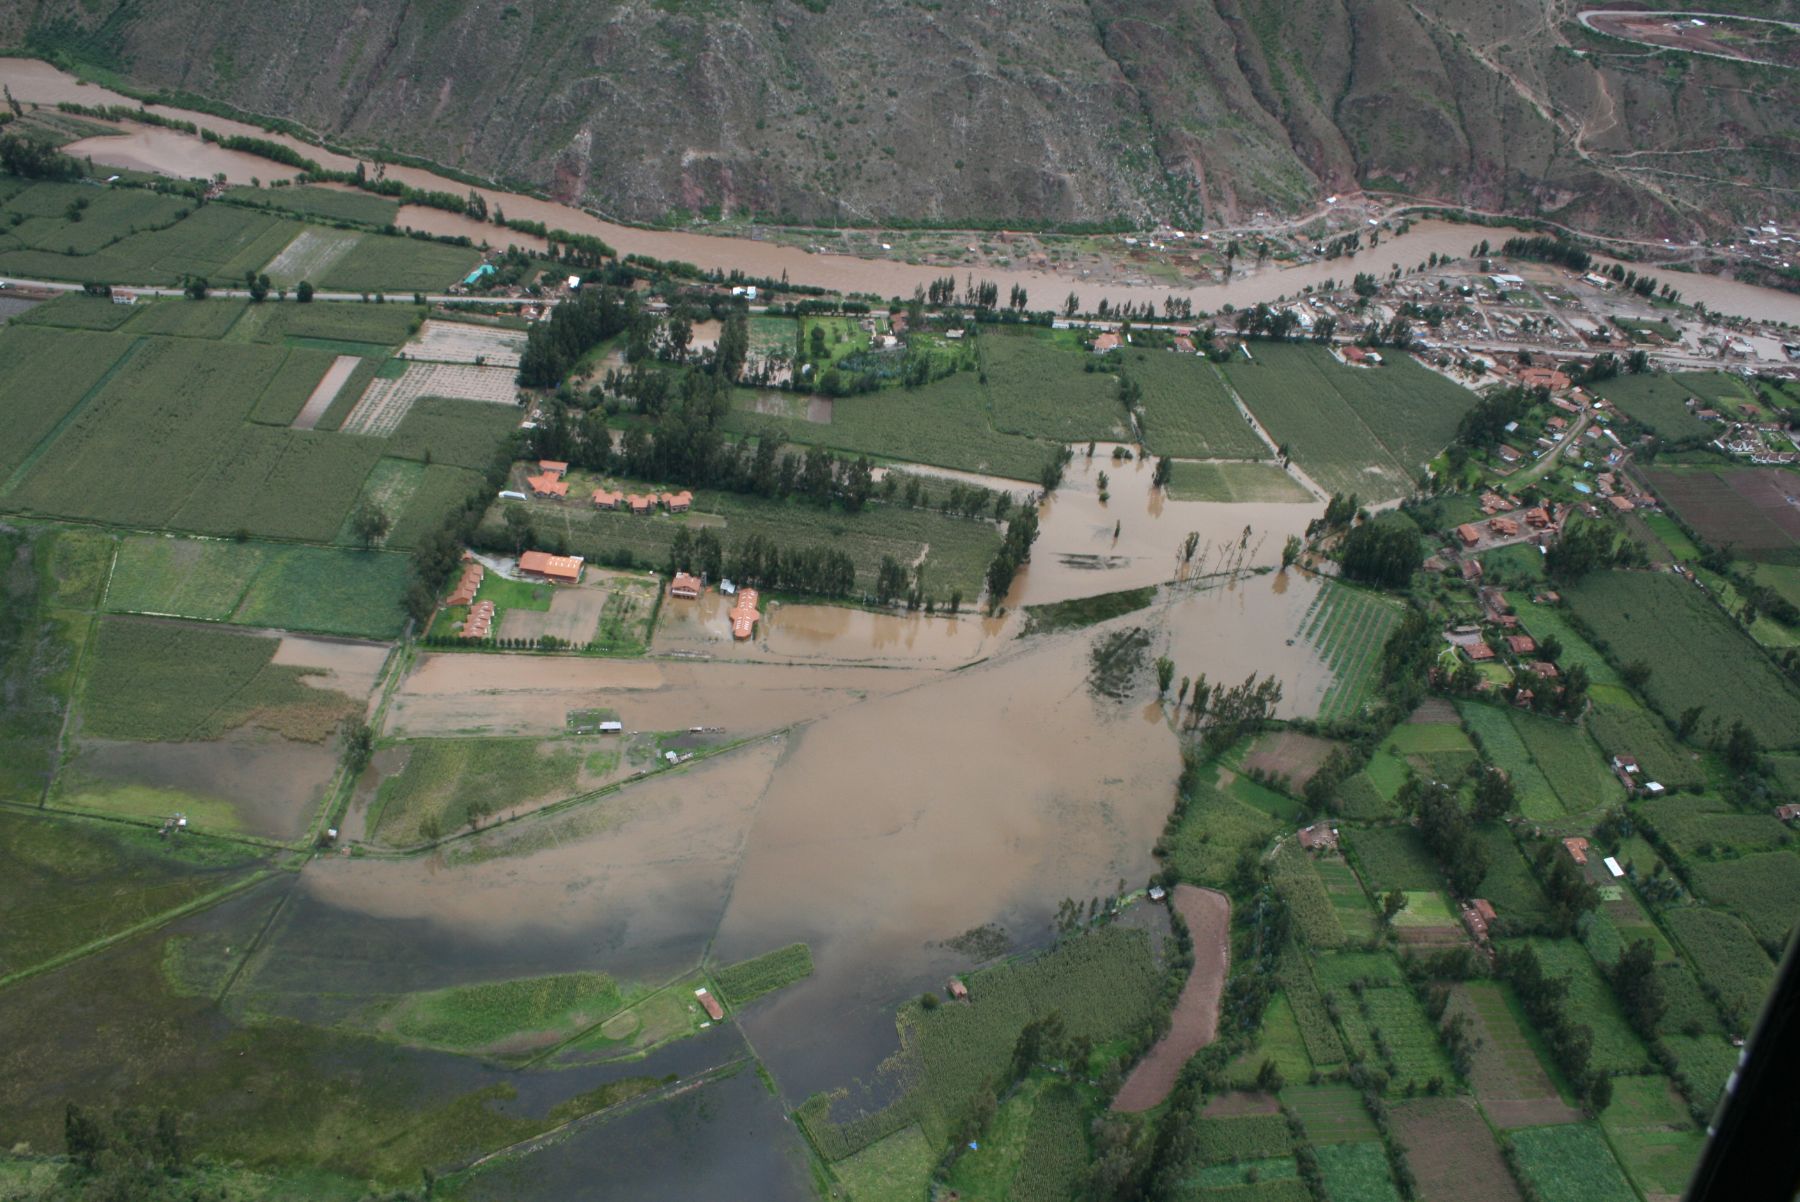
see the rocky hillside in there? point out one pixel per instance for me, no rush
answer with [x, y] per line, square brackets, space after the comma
[859, 111]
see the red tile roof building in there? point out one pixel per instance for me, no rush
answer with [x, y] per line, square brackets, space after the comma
[555, 467]
[744, 615]
[480, 622]
[548, 484]
[684, 586]
[710, 1004]
[678, 502]
[1521, 644]
[564, 569]
[608, 499]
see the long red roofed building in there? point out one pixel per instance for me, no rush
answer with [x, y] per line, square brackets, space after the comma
[562, 569]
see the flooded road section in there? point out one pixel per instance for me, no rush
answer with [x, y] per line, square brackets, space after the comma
[1135, 537]
[39, 82]
[826, 634]
[454, 694]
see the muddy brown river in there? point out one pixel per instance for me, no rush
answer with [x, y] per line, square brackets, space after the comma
[170, 153]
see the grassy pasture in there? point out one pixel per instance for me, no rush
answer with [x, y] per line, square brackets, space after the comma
[1331, 1114]
[449, 782]
[163, 681]
[1234, 483]
[340, 321]
[1356, 1173]
[1696, 656]
[1658, 401]
[892, 1169]
[470, 1017]
[187, 578]
[1509, 884]
[1393, 857]
[441, 489]
[1187, 411]
[328, 591]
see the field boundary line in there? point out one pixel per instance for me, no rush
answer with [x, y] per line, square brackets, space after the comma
[78, 683]
[44, 444]
[255, 945]
[93, 946]
[257, 841]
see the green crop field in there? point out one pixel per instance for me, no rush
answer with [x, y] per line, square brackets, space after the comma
[1248, 1137]
[1214, 827]
[297, 484]
[369, 326]
[957, 550]
[470, 1017]
[442, 489]
[1698, 826]
[458, 433]
[327, 204]
[744, 982]
[1570, 761]
[76, 311]
[1234, 483]
[50, 375]
[187, 318]
[944, 423]
[328, 591]
[1331, 1114]
[1500, 741]
[1393, 857]
[890, 1169]
[1054, 1164]
[1187, 412]
[1348, 627]
[1353, 430]
[1762, 889]
[36, 225]
[1336, 971]
[1354, 912]
[449, 782]
[1570, 1163]
[1659, 401]
[1509, 884]
[163, 681]
[379, 263]
[1278, 1040]
[217, 242]
[1318, 1034]
[1356, 1173]
[1621, 726]
[1360, 798]
[1735, 968]
[1038, 388]
[1696, 656]
[1544, 622]
[183, 577]
[293, 382]
[1617, 1048]
[1310, 905]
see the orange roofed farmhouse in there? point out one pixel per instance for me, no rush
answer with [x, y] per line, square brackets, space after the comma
[743, 615]
[684, 586]
[563, 569]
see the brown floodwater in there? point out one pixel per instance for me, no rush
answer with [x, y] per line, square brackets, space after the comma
[791, 633]
[272, 786]
[30, 80]
[1135, 537]
[341, 665]
[450, 693]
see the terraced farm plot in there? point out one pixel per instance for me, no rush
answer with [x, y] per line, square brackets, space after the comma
[1451, 1151]
[1235, 483]
[1506, 1071]
[1041, 390]
[1695, 654]
[1348, 627]
[1570, 1163]
[384, 406]
[1187, 411]
[310, 256]
[1502, 744]
[1331, 1114]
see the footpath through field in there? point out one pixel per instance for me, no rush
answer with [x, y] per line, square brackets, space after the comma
[1195, 1022]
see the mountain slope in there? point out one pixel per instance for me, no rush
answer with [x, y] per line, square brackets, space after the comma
[858, 111]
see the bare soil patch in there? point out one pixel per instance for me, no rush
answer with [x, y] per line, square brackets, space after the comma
[1195, 1022]
[325, 391]
[1508, 1078]
[573, 616]
[1435, 710]
[1289, 754]
[1452, 1152]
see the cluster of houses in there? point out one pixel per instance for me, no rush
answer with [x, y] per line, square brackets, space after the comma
[468, 584]
[480, 622]
[743, 615]
[1501, 528]
[674, 502]
[1626, 768]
